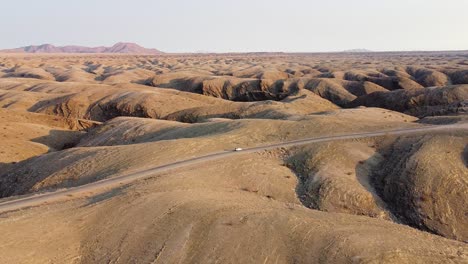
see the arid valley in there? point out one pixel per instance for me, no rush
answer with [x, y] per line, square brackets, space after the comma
[351, 157]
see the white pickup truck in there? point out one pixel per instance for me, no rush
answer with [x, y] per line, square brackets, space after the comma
[238, 149]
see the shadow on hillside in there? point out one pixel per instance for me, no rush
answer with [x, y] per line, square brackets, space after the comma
[18, 178]
[60, 139]
[101, 197]
[464, 156]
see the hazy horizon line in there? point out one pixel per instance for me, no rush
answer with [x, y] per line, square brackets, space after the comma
[351, 50]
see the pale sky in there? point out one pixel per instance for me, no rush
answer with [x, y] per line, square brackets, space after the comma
[239, 25]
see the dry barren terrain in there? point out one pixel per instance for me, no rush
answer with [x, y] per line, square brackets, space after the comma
[71, 120]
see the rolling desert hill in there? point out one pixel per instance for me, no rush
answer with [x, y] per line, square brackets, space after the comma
[82, 120]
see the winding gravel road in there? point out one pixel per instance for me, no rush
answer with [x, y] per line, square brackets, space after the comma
[96, 187]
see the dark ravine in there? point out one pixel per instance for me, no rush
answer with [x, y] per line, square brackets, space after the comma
[422, 190]
[421, 102]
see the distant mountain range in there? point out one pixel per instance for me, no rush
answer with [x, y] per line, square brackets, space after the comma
[357, 51]
[121, 47]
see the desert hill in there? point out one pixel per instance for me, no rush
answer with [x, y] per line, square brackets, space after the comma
[121, 47]
[357, 51]
[69, 120]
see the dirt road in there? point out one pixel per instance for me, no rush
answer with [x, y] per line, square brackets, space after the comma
[99, 186]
